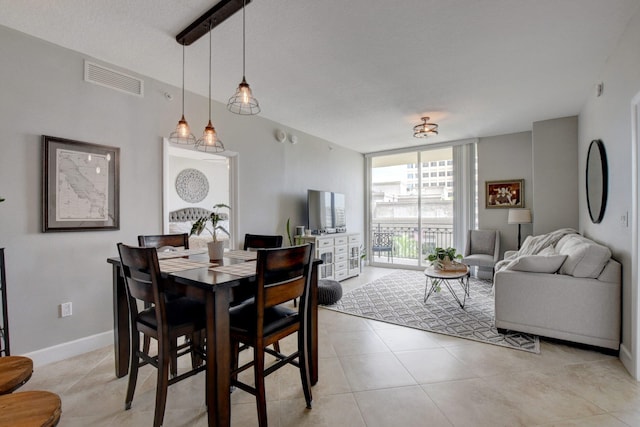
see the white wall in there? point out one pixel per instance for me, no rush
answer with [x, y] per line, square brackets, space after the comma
[608, 118]
[555, 174]
[499, 158]
[44, 94]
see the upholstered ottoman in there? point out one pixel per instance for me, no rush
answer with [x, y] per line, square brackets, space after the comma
[329, 291]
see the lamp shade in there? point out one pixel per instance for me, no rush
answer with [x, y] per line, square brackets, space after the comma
[519, 216]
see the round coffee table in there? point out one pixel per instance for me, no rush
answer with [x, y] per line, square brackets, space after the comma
[438, 277]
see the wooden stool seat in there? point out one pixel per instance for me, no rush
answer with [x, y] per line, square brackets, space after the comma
[14, 372]
[30, 409]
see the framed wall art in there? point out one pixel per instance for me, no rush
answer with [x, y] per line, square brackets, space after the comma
[504, 194]
[80, 186]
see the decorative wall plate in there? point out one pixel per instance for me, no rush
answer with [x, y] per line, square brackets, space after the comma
[192, 185]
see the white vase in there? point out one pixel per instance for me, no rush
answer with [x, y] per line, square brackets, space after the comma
[216, 249]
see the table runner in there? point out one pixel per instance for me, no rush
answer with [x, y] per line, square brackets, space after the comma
[180, 264]
[178, 253]
[244, 269]
[239, 254]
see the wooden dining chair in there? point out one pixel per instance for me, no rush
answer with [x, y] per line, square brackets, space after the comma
[15, 371]
[253, 241]
[261, 241]
[282, 274]
[165, 321]
[160, 241]
[256, 241]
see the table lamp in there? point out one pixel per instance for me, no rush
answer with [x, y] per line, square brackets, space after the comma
[519, 216]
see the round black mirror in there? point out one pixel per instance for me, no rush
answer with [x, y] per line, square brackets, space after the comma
[597, 180]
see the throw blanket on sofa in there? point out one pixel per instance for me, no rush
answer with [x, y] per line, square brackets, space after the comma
[533, 245]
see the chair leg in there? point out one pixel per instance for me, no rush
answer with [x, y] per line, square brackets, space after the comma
[276, 346]
[235, 352]
[146, 344]
[146, 339]
[173, 365]
[305, 370]
[133, 369]
[165, 355]
[258, 370]
[197, 340]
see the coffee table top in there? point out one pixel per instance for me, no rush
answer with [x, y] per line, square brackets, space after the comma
[446, 274]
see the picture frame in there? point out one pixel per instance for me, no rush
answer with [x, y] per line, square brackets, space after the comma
[80, 186]
[503, 194]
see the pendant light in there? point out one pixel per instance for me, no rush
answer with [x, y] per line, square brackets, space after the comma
[182, 135]
[243, 101]
[209, 141]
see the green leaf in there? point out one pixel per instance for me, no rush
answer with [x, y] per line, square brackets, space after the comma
[289, 232]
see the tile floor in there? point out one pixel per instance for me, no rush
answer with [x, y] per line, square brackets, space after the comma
[375, 374]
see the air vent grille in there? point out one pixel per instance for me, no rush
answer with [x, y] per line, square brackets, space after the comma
[113, 79]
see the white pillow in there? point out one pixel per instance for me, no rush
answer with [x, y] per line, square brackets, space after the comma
[585, 258]
[537, 263]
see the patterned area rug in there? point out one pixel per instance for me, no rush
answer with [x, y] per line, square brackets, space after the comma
[398, 298]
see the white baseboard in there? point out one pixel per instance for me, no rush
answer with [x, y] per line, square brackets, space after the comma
[628, 361]
[70, 349]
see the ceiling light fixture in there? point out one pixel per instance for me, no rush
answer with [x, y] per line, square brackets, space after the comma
[243, 101]
[424, 129]
[209, 142]
[182, 135]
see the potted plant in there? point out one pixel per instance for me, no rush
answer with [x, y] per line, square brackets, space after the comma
[216, 247]
[442, 258]
[363, 256]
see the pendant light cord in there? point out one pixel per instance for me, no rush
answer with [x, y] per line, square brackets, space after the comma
[183, 79]
[244, 2]
[210, 27]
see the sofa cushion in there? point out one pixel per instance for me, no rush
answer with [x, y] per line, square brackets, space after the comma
[585, 258]
[547, 261]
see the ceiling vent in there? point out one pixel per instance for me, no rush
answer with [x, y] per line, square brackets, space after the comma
[113, 79]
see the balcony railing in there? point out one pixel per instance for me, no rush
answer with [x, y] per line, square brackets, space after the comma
[402, 241]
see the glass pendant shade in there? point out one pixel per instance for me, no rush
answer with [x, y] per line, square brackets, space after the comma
[209, 142]
[182, 135]
[243, 102]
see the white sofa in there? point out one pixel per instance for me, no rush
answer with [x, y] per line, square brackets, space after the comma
[569, 290]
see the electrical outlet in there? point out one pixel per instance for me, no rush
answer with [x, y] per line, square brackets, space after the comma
[65, 309]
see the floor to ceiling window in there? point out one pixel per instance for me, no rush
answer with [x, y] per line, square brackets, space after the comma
[411, 203]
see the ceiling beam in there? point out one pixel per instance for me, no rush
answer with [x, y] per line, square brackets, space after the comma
[214, 17]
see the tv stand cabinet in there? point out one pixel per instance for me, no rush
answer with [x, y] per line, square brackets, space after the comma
[339, 252]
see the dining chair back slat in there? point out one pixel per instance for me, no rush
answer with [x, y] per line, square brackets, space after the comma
[160, 240]
[261, 241]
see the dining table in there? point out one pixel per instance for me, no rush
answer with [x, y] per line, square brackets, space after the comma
[211, 282]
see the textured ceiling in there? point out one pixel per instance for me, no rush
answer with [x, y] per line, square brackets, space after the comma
[360, 73]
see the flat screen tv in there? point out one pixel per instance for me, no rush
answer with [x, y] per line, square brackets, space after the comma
[326, 212]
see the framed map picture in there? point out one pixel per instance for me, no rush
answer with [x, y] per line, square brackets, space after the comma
[80, 186]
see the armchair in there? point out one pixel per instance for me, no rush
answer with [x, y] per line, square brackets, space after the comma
[482, 250]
